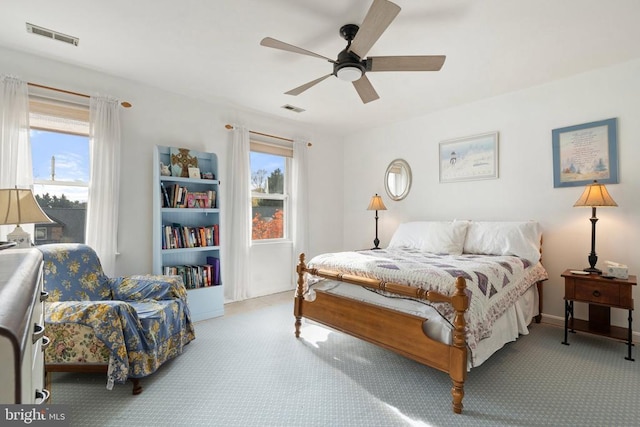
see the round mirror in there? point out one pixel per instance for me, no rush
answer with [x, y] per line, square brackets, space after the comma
[397, 179]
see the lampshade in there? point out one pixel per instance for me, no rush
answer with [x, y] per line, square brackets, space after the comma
[376, 204]
[19, 206]
[595, 195]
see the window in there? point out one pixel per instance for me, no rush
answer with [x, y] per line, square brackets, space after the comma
[59, 134]
[269, 191]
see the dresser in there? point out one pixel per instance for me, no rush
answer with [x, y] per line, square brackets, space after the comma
[22, 338]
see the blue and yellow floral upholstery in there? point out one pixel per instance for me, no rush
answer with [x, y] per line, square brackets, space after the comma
[132, 324]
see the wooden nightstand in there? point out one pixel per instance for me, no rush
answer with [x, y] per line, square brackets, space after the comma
[601, 294]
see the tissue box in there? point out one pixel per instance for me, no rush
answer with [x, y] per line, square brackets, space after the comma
[619, 271]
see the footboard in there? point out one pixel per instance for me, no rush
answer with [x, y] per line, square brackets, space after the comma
[391, 329]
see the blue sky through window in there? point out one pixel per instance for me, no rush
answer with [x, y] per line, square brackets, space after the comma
[71, 154]
[268, 162]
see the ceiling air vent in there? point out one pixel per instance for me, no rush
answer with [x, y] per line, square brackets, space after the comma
[292, 108]
[50, 34]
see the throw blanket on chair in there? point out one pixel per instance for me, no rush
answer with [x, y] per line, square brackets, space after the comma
[143, 321]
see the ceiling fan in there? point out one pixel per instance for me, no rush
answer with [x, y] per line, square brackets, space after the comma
[351, 64]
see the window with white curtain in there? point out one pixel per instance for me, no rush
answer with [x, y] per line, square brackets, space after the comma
[270, 183]
[59, 135]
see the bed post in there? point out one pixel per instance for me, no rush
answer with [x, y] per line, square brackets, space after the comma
[539, 286]
[297, 308]
[458, 368]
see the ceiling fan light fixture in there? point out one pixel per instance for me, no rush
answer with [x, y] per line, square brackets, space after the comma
[349, 73]
[352, 63]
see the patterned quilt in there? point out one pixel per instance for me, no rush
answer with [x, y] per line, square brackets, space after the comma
[494, 282]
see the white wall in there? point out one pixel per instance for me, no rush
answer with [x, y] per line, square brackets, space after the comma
[161, 117]
[339, 196]
[524, 189]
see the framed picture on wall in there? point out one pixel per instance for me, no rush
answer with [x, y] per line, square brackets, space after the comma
[470, 158]
[584, 153]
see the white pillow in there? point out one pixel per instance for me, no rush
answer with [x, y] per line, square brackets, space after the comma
[519, 238]
[431, 236]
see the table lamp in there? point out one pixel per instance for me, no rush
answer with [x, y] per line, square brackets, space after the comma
[376, 204]
[594, 195]
[19, 206]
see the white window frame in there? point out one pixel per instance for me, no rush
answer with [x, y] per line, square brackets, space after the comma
[285, 151]
[42, 106]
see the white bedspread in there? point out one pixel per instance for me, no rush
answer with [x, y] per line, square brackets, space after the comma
[494, 283]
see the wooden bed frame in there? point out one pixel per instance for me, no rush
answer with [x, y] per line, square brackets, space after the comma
[391, 329]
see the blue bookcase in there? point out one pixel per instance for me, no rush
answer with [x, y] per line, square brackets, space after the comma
[185, 218]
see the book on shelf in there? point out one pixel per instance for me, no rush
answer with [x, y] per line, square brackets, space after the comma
[214, 262]
[165, 195]
[195, 276]
[181, 199]
[176, 236]
[176, 196]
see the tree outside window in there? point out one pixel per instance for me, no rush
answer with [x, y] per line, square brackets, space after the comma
[268, 201]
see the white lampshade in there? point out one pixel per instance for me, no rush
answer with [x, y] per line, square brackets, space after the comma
[19, 206]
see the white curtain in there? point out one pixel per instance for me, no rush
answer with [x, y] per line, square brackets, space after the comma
[104, 184]
[15, 148]
[300, 201]
[238, 275]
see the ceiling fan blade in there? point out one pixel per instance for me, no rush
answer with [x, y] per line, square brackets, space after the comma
[277, 44]
[378, 18]
[365, 89]
[300, 89]
[405, 63]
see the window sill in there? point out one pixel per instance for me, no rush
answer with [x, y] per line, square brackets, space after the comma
[263, 242]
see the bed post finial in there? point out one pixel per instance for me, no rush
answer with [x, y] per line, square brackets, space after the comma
[297, 307]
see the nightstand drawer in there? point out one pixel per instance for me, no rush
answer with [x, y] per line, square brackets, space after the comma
[598, 293]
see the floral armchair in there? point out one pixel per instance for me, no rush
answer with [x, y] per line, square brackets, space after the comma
[125, 326]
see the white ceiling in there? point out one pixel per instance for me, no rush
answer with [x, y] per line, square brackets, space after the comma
[210, 49]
